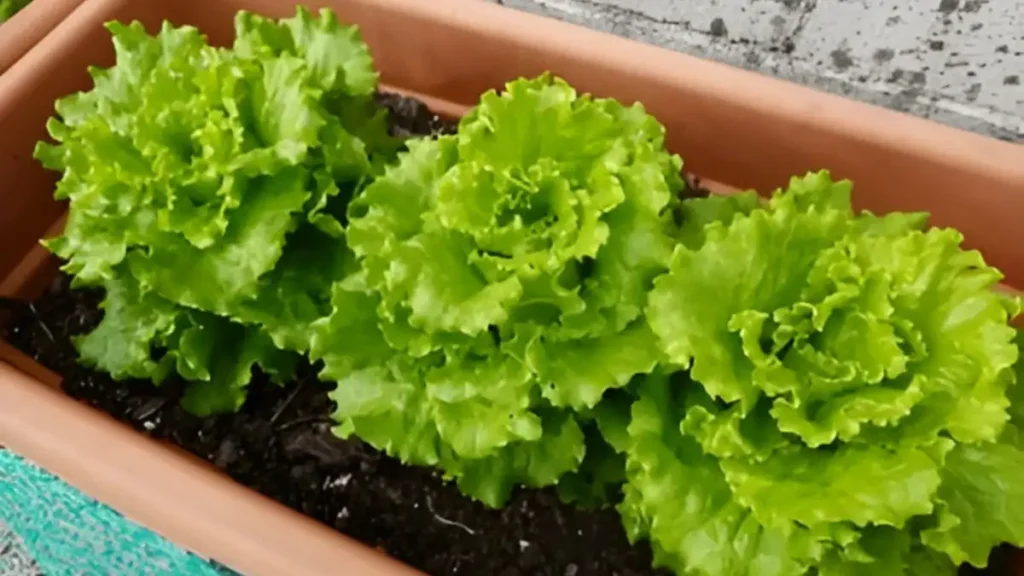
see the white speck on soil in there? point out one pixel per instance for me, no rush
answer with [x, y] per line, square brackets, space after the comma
[339, 482]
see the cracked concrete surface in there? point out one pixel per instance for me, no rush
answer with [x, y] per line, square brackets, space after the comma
[960, 62]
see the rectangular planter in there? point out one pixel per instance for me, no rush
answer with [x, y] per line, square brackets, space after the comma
[22, 31]
[733, 127]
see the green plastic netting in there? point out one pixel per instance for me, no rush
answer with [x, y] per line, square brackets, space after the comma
[48, 527]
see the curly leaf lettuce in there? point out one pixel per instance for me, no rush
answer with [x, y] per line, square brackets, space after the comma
[208, 186]
[846, 402]
[145, 336]
[502, 276]
[678, 497]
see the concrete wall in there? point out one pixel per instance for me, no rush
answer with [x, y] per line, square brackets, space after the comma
[955, 61]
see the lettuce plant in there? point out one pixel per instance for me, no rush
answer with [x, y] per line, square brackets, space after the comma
[845, 409]
[207, 189]
[502, 277]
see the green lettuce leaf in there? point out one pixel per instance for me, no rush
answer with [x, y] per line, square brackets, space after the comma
[216, 180]
[144, 336]
[679, 498]
[502, 277]
[1014, 433]
[598, 480]
[983, 502]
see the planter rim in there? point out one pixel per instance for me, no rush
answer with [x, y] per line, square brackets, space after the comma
[799, 104]
[30, 25]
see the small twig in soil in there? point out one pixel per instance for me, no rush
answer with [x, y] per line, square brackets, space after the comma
[287, 401]
[447, 522]
[304, 420]
[150, 407]
[42, 324]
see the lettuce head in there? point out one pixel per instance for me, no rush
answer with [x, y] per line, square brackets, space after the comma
[503, 272]
[207, 188]
[834, 398]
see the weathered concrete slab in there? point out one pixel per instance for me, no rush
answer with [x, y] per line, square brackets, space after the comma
[955, 61]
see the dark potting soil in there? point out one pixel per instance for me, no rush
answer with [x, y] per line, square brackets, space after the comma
[280, 443]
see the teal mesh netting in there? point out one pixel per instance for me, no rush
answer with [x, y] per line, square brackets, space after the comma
[48, 527]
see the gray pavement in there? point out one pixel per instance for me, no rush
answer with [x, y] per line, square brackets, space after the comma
[960, 62]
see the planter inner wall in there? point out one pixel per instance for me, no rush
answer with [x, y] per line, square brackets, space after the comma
[21, 32]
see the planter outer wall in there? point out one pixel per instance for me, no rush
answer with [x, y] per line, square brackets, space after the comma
[731, 126]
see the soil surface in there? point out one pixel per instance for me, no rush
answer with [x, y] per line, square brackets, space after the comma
[281, 444]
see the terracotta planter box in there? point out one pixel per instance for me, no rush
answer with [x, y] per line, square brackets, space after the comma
[22, 31]
[733, 127]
